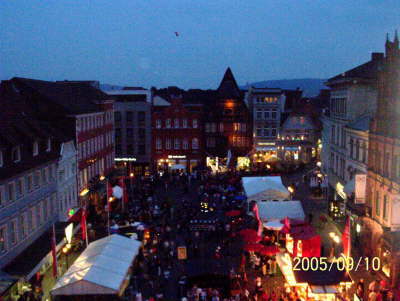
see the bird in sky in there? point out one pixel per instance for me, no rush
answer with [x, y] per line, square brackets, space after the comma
[177, 33]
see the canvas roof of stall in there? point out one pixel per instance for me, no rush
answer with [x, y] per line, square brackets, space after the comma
[272, 210]
[100, 269]
[265, 188]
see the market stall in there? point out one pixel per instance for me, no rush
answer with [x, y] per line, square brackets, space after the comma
[264, 188]
[276, 211]
[302, 241]
[101, 272]
[314, 283]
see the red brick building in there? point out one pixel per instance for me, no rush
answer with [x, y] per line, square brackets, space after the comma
[382, 227]
[227, 125]
[177, 142]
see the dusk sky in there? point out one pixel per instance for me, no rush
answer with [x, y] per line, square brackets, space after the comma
[133, 42]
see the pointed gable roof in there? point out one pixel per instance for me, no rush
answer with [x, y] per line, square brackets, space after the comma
[228, 87]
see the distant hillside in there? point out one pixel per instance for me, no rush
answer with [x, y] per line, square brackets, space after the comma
[310, 86]
[107, 87]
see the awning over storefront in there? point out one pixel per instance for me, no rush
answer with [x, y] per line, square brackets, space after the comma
[38, 253]
[264, 188]
[291, 148]
[265, 148]
[271, 210]
[101, 269]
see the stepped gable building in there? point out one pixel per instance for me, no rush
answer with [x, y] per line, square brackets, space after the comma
[382, 228]
[227, 125]
[80, 110]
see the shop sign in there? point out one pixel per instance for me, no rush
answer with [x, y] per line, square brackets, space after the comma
[176, 157]
[266, 143]
[182, 254]
[361, 183]
[340, 190]
[125, 159]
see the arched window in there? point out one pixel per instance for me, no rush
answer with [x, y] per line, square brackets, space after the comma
[195, 143]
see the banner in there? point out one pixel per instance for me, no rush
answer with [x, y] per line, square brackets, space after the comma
[83, 224]
[361, 185]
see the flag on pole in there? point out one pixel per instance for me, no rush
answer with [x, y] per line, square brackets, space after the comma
[346, 238]
[83, 224]
[53, 251]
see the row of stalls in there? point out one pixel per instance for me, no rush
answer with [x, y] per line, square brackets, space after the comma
[101, 272]
[268, 202]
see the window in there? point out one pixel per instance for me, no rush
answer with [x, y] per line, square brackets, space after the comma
[129, 150]
[185, 143]
[158, 124]
[141, 119]
[208, 127]
[20, 187]
[266, 114]
[195, 143]
[266, 132]
[36, 179]
[259, 114]
[11, 191]
[129, 133]
[31, 226]
[13, 232]
[168, 143]
[213, 127]
[2, 240]
[184, 123]
[158, 143]
[168, 123]
[357, 150]
[211, 142]
[1, 159]
[176, 123]
[44, 177]
[364, 152]
[333, 132]
[2, 196]
[117, 116]
[385, 207]
[274, 114]
[48, 147]
[377, 204]
[22, 226]
[129, 116]
[273, 132]
[35, 148]
[351, 148]
[243, 127]
[194, 122]
[221, 127]
[118, 132]
[39, 215]
[259, 131]
[142, 149]
[16, 154]
[177, 144]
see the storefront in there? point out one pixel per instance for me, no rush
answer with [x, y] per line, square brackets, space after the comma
[243, 163]
[177, 163]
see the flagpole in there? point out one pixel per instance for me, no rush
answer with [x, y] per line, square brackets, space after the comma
[108, 209]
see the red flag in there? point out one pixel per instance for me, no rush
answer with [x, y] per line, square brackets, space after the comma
[53, 251]
[346, 238]
[124, 191]
[83, 224]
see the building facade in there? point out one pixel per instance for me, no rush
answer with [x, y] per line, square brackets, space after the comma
[177, 134]
[228, 127]
[382, 227]
[67, 184]
[353, 95]
[82, 111]
[28, 188]
[132, 120]
[266, 106]
[298, 140]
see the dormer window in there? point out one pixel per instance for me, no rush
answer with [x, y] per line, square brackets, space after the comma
[48, 148]
[35, 148]
[16, 154]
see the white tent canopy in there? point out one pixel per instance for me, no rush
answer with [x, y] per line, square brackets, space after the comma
[272, 211]
[100, 269]
[264, 188]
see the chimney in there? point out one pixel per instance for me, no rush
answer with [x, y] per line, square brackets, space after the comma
[376, 56]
